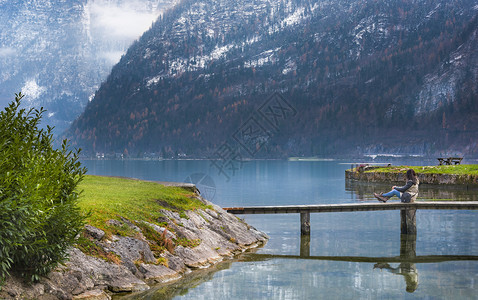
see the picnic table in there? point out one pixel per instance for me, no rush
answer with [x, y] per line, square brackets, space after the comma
[449, 160]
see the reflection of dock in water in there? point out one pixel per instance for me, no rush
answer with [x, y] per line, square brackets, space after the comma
[407, 254]
[421, 259]
[406, 261]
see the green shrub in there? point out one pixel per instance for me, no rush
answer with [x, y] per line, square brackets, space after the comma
[39, 218]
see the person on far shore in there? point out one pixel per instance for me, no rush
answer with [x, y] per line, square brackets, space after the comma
[407, 193]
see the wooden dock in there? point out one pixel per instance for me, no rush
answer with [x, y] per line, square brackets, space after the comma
[407, 210]
[350, 207]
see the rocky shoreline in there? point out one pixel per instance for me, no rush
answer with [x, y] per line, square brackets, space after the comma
[465, 181]
[219, 236]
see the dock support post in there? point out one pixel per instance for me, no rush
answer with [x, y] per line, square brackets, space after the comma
[305, 223]
[408, 246]
[304, 245]
[408, 221]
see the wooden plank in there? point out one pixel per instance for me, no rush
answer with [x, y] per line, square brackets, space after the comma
[352, 207]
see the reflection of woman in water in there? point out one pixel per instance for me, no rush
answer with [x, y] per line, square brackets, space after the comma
[406, 193]
[408, 270]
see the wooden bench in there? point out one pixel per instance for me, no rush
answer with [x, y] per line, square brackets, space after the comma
[449, 160]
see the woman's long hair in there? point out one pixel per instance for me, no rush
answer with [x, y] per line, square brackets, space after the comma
[411, 175]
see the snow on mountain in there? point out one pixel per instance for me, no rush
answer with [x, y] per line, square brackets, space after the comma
[57, 53]
[354, 69]
[442, 87]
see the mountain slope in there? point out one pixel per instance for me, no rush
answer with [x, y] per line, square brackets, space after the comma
[58, 52]
[355, 72]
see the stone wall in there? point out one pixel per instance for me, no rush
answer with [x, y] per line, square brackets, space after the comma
[467, 181]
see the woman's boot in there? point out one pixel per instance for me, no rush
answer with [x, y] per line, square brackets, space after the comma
[380, 197]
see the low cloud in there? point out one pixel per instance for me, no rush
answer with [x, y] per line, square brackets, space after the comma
[121, 20]
[6, 51]
[112, 57]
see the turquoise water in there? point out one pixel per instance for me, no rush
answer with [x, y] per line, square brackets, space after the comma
[340, 262]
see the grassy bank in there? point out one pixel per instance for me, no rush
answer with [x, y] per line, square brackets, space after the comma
[109, 198]
[453, 169]
[463, 176]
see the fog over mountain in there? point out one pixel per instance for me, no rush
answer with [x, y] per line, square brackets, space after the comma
[57, 53]
[362, 76]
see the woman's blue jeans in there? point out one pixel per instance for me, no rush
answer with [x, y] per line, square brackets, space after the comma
[393, 192]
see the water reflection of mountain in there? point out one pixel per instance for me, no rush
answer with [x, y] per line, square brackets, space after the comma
[364, 191]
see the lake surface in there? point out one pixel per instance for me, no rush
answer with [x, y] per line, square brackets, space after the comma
[350, 255]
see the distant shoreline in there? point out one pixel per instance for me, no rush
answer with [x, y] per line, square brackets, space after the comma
[365, 158]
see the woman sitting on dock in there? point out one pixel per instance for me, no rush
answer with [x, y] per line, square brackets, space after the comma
[407, 193]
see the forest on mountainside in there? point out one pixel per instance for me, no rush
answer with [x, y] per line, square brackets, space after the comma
[361, 76]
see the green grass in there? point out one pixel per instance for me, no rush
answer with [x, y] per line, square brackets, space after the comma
[110, 197]
[88, 246]
[457, 170]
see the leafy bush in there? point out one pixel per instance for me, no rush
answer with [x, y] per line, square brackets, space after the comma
[39, 218]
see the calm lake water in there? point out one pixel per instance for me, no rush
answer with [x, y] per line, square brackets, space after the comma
[350, 255]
